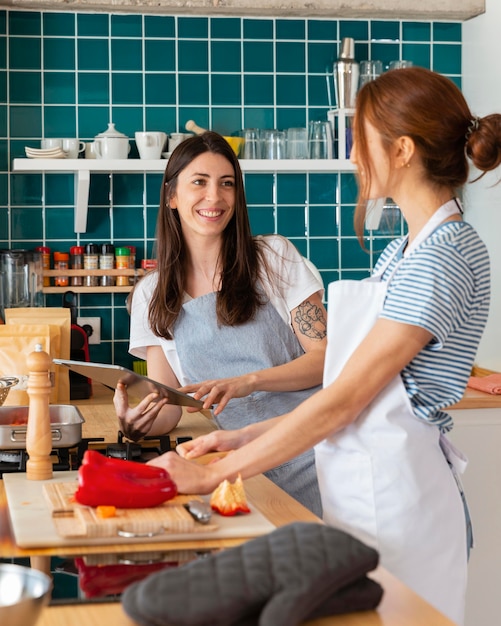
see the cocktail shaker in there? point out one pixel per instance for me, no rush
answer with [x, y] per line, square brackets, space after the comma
[346, 75]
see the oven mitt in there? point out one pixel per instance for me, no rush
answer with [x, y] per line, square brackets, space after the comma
[282, 577]
[363, 595]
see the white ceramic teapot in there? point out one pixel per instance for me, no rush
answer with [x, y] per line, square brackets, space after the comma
[111, 144]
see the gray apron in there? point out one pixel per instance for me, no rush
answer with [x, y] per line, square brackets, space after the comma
[208, 350]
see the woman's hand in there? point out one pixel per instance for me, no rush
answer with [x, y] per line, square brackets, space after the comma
[136, 422]
[190, 477]
[221, 391]
[216, 441]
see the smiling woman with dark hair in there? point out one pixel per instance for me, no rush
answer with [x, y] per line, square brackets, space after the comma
[234, 319]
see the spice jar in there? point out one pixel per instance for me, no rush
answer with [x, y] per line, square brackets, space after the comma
[132, 263]
[122, 260]
[45, 254]
[61, 262]
[76, 262]
[149, 264]
[91, 262]
[107, 262]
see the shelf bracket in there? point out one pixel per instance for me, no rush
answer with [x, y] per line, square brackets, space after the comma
[82, 184]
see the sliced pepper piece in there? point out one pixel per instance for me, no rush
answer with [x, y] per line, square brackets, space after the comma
[122, 484]
[229, 498]
[104, 512]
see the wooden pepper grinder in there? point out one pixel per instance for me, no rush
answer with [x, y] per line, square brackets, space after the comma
[38, 434]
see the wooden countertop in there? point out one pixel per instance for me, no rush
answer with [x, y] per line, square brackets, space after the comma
[399, 607]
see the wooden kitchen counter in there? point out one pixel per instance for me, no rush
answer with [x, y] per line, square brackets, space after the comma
[399, 607]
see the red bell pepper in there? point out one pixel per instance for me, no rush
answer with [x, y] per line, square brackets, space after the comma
[110, 580]
[229, 498]
[124, 484]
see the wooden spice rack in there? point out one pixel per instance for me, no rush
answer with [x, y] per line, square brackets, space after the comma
[136, 273]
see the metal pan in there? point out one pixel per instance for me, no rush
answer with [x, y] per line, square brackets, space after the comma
[137, 385]
[65, 426]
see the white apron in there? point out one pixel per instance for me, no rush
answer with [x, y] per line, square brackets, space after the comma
[385, 478]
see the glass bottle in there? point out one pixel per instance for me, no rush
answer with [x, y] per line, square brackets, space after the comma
[61, 262]
[91, 262]
[76, 262]
[45, 253]
[122, 260]
[107, 262]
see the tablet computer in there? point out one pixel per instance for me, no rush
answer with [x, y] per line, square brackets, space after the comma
[137, 385]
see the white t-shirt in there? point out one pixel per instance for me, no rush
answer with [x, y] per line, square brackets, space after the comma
[296, 283]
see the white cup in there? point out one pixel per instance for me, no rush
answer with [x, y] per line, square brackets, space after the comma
[90, 150]
[150, 145]
[51, 143]
[176, 138]
[71, 146]
[108, 148]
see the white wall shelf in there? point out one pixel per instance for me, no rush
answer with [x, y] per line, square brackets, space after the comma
[83, 168]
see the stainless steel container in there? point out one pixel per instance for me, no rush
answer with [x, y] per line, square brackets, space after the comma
[346, 75]
[65, 425]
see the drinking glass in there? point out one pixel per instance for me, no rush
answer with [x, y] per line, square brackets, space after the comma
[252, 143]
[319, 140]
[369, 70]
[273, 144]
[297, 143]
[397, 65]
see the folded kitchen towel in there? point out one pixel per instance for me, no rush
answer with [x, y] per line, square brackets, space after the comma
[489, 384]
[279, 579]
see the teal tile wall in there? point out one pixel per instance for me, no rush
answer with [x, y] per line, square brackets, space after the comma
[69, 74]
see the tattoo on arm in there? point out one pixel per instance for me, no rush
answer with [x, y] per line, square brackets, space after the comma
[310, 320]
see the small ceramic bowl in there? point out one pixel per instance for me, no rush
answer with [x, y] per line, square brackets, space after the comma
[6, 382]
[236, 143]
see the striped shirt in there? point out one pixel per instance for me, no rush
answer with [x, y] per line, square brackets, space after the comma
[444, 287]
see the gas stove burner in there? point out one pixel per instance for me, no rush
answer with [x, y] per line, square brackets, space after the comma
[128, 451]
[10, 456]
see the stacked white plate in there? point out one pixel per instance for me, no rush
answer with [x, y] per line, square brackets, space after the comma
[45, 153]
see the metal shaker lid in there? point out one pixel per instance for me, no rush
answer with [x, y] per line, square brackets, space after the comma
[347, 48]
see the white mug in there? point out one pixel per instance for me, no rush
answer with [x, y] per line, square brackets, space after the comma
[108, 148]
[71, 146]
[176, 138]
[150, 145]
[90, 150]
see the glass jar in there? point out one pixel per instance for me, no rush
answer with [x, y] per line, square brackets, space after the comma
[45, 254]
[107, 262]
[122, 261]
[76, 262]
[91, 262]
[61, 262]
[132, 263]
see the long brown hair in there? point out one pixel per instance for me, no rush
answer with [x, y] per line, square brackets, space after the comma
[429, 108]
[239, 297]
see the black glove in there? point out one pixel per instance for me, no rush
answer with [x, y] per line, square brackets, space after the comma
[279, 579]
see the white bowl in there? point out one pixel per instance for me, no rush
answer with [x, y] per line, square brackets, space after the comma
[23, 594]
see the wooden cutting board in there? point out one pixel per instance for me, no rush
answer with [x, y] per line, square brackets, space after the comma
[73, 520]
[31, 504]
